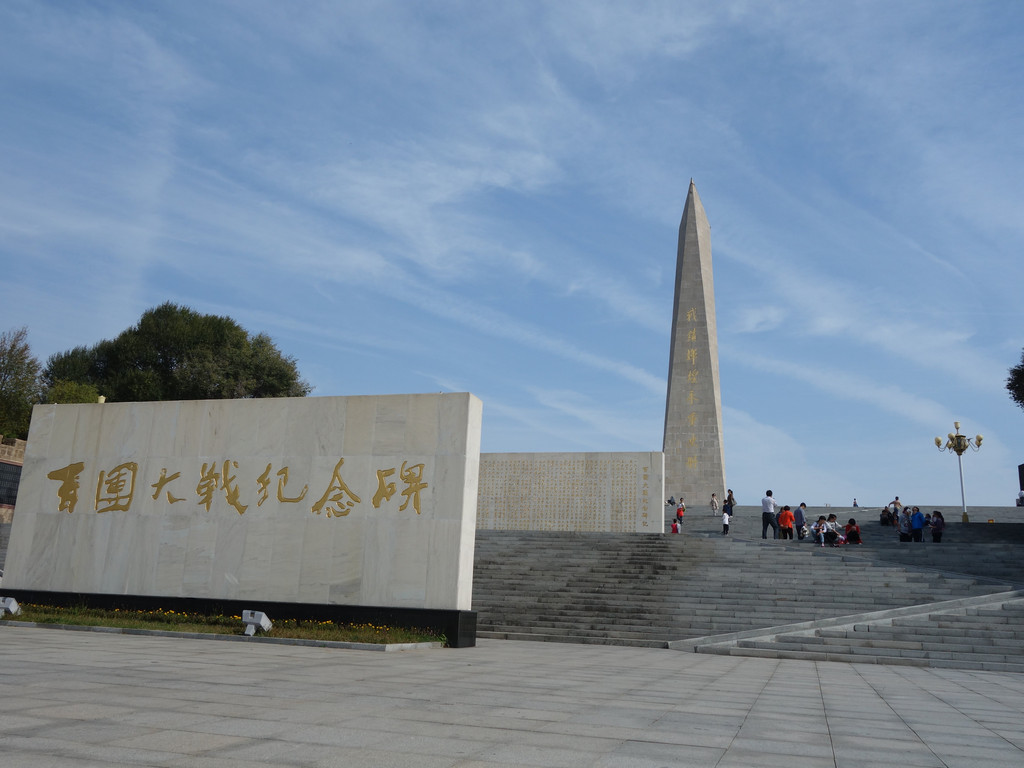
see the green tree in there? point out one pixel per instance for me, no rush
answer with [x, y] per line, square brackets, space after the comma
[1015, 383]
[19, 383]
[175, 353]
[71, 392]
[72, 365]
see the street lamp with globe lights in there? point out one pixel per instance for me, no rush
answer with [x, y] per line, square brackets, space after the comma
[957, 443]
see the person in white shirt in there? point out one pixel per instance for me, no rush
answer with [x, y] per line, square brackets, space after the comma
[768, 507]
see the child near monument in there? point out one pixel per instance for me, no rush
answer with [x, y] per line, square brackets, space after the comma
[725, 523]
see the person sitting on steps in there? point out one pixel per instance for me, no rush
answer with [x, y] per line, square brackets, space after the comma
[819, 529]
[833, 537]
[853, 532]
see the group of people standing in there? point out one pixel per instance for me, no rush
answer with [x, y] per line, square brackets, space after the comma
[910, 523]
[727, 506]
[786, 521]
[789, 523]
[783, 521]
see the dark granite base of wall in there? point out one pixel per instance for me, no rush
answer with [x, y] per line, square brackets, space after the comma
[459, 627]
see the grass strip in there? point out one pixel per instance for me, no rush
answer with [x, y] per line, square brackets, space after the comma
[177, 621]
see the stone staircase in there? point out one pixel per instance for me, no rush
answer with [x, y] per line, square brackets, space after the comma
[651, 590]
[982, 550]
[988, 635]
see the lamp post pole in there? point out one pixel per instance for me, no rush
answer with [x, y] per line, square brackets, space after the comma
[963, 499]
[957, 443]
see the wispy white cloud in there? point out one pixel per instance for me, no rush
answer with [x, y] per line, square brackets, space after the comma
[501, 325]
[890, 319]
[605, 420]
[419, 195]
[851, 386]
[760, 456]
[757, 319]
[625, 301]
[532, 428]
[614, 40]
[510, 179]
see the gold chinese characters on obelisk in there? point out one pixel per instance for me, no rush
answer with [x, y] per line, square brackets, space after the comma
[694, 457]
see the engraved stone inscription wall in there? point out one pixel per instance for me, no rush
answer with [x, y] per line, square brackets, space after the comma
[615, 492]
[334, 500]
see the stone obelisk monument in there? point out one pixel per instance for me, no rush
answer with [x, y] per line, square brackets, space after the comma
[694, 457]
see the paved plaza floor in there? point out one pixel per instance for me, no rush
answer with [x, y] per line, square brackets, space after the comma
[71, 698]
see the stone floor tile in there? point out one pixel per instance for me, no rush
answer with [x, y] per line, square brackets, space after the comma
[74, 700]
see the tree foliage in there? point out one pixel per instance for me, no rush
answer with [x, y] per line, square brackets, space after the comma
[19, 383]
[63, 392]
[175, 353]
[1015, 383]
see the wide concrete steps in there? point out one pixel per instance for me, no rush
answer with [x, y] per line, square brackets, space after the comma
[652, 590]
[983, 550]
[985, 637]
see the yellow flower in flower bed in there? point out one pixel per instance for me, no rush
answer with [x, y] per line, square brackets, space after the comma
[199, 623]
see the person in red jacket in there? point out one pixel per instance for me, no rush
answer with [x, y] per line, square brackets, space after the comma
[786, 523]
[853, 532]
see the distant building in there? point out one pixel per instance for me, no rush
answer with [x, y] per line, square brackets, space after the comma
[12, 456]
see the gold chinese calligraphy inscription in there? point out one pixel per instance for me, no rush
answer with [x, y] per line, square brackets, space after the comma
[338, 499]
[164, 480]
[67, 493]
[115, 487]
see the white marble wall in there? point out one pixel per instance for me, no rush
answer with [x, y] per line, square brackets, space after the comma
[254, 539]
[615, 492]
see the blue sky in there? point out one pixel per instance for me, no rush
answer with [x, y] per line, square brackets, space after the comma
[485, 197]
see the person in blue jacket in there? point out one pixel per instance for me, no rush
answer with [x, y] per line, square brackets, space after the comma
[917, 525]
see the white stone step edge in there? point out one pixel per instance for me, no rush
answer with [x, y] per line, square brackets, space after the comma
[695, 644]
